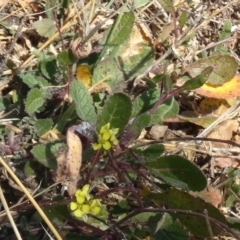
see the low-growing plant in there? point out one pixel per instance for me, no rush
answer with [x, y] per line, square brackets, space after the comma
[122, 188]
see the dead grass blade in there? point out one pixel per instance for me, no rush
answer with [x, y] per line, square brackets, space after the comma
[31, 199]
[10, 218]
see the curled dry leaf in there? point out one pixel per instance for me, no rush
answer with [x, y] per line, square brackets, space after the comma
[51, 136]
[80, 50]
[100, 87]
[69, 163]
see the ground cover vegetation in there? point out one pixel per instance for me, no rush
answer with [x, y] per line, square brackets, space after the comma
[119, 119]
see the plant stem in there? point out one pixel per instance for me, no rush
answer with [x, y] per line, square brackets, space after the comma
[133, 191]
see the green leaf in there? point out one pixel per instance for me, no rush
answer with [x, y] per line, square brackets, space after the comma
[167, 84]
[167, 109]
[167, 229]
[57, 214]
[29, 79]
[4, 103]
[226, 33]
[180, 200]
[35, 100]
[183, 19]
[33, 80]
[199, 80]
[145, 101]
[121, 29]
[65, 118]
[167, 5]
[108, 69]
[11, 65]
[66, 3]
[83, 102]
[42, 126]
[151, 153]
[234, 224]
[47, 154]
[178, 172]
[229, 202]
[140, 122]
[65, 58]
[224, 68]
[142, 217]
[140, 3]
[28, 169]
[48, 8]
[117, 111]
[49, 67]
[122, 207]
[45, 27]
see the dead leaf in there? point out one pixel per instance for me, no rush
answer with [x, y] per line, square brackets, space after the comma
[80, 50]
[138, 37]
[224, 69]
[214, 106]
[225, 162]
[157, 131]
[14, 128]
[45, 27]
[193, 117]
[51, 136]
[100, 87]
[83, 74]
[36, 7]
[166, 31]
[229, 89]
[69, 163]
[211, 195]
[224, 132]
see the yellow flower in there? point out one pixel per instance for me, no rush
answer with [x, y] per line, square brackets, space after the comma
[76, 208]
[96, 146]
[82, 195]
[106, 138]
[85, 204]
[105, 128]
[95, 207]
[114, 140]
[106, 145]
[85, 208]
[95, 211]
